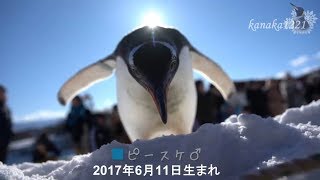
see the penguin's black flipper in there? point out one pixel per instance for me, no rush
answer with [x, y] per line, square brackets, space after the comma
[86, 78]
[213, 73]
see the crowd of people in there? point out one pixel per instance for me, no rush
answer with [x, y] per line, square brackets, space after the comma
[90, 130]
[264, 98]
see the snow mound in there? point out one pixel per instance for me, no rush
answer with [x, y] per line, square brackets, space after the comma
[242, 144]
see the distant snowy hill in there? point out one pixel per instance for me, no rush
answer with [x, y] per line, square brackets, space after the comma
[36, 124]
[242, 144]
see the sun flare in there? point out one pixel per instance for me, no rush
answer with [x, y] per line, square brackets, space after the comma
[152, 19]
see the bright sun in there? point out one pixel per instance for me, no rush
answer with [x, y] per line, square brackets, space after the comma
[152, 19]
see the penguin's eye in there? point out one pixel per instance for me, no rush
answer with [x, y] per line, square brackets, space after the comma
[173, 63]
[136, 72]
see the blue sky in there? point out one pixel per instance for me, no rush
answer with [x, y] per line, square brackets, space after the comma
[44, 42]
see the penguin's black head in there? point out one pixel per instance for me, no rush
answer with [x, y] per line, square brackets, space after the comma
[152, 59]
[299, 10]
[153, 64]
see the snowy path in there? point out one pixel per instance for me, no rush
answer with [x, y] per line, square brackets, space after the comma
[240, 145]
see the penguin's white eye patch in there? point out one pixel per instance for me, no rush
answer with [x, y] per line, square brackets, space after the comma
[172, 48]
[131, 54]
[135, 49]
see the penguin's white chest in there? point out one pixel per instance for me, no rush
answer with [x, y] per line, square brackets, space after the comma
[138, 111]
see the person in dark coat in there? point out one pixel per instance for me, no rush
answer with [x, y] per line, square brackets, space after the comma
[76, 120]
[312, 92]
[257, 98]
[202, 115]
[45, 149]
[214, 102]
[102, 133]
[5, 125]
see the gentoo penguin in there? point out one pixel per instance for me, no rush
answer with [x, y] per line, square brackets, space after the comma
[155, 88]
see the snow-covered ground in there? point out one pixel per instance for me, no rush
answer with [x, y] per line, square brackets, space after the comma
[242, 144]
[21, 150]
